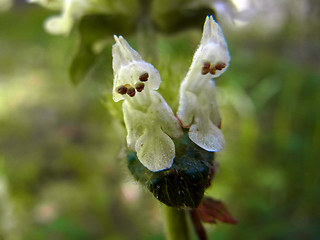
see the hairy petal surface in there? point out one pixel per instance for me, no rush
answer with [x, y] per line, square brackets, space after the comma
[198, 108]
[149, 120]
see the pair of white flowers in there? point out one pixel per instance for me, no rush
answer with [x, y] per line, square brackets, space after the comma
[151, 124]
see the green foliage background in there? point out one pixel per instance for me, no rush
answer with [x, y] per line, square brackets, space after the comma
[62, 174]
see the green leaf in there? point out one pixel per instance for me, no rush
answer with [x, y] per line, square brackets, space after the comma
[176, 17]
[81, 64]
[182, 185]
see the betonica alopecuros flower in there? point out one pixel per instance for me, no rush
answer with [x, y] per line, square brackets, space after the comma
[172, 155]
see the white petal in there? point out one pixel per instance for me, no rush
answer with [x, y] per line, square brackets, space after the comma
[198, 107]
[213, 49]
[203, 100]
[128, 75]
[155, 150]
[208, 102]
[206, 135]
[204, 131]
[71, 10]
[212, 32]
[187, 107]
[128, 66]
[148, 133]
[134, 120]
[59, 25]
[160, 112]
[123, 54]
[202, 113]
[149, 120]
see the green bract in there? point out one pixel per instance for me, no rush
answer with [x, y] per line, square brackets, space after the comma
[184, 184]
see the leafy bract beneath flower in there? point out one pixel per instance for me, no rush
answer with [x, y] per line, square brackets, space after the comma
[149, 120]
[198, 107]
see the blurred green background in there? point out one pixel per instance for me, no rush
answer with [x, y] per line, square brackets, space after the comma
[62, 171]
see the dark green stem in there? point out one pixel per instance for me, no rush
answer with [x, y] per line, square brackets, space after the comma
[176, 224]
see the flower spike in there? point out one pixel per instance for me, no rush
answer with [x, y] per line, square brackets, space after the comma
[198, 107]
[149, 120]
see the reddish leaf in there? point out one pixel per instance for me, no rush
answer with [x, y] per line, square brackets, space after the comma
[211, 210]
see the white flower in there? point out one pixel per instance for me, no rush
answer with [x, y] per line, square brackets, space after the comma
[49, 4]
[5, 5]
[198, 107]
[71, 10]
[74, 10]
[149, 120]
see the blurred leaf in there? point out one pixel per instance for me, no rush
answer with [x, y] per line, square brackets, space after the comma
[170, 19]
[92, 29]
[81, 64]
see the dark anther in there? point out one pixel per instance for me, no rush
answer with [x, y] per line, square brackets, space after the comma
[139, 87]
[205, 68]
[220, 66]
[213, 71]
[122, 90]
[144, 77]
[131, 92]
[204, 71]
[206, 65]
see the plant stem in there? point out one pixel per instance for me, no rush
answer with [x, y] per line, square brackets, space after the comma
[198, 227]
[176, 224]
